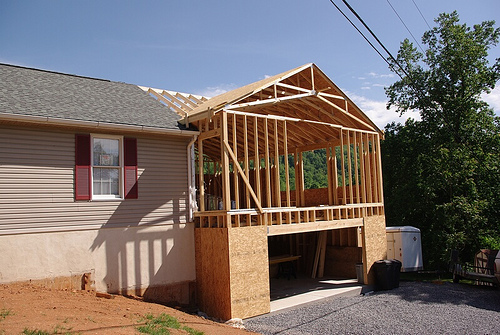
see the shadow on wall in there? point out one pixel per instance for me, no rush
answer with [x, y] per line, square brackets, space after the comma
[148, 250]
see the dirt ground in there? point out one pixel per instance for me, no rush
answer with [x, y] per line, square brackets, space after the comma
[25, 306]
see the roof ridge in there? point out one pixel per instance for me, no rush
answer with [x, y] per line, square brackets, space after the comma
[54, 72]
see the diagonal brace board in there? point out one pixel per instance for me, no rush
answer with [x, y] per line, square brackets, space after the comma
[243, 176]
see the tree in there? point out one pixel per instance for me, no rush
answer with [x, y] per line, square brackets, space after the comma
[442, 173]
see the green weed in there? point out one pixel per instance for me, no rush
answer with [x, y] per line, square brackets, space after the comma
[162, 324]
[4, 313]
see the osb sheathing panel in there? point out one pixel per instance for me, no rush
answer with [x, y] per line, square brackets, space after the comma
[374, 244]
[212, 272]
[341, 261]
[249, 271]
[232, 272]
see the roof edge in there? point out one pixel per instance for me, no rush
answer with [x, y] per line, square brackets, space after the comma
[94, 124]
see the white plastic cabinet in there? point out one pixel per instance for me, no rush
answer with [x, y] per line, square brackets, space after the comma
[404, 244]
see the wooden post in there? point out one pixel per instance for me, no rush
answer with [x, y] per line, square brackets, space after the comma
[362, 167]
[256, 159]
[380, 178]
[297, 176]
[267, 167]
[235, 175]
[374, 169]
[349, 169]
[329, 174]
[287, 165]
[368, 170]
[247, 159]
[335, 177]
[226, 190]
[342, 167]
[277, 189]
[356, 165]
[201, 176]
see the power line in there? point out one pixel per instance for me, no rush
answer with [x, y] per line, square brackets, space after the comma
[376, 38]
[422, 15]
[359, 31]
[404, 24]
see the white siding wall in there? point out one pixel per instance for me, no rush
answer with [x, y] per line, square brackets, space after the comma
[45, 233]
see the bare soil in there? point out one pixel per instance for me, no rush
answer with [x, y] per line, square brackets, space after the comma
[25, 306]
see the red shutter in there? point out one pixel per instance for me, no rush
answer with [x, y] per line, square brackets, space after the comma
[82, 167]
[130, 167]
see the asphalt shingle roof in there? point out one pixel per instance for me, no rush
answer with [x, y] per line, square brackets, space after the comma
[26, 91]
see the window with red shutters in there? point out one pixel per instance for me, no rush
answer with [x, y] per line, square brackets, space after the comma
[105, 167]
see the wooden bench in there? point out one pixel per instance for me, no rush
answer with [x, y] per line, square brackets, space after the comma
[286, 268]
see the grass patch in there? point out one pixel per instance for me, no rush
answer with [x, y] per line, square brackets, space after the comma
[57, 330]
[4, 313]
[162, 324]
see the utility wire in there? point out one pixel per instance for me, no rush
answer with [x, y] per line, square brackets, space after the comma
[366, 39]
[422, 15]
[404, 24]
[376, 38]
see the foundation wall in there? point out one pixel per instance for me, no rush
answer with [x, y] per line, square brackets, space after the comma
[232, 273]
[154, 262]
[212, 272]
[374, 245]
[248, 256]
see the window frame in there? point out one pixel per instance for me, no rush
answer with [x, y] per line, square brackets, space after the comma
[120, 168]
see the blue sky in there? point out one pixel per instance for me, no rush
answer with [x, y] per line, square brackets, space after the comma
[207, 47]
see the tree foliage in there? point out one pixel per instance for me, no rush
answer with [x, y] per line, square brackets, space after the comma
[442, 173]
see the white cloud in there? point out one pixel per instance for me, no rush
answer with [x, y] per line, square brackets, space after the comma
[377, 75]
[213, 91]
[376, 110]
[493, 99]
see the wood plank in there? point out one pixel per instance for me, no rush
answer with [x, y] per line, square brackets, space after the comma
[236, 189]
[246, 158]
[226, 189]
[287, 165]
[342, 167]
[201, 175]
[267, 167]
[349, 168]
[277, 190]
[257, 159]
[356, 165]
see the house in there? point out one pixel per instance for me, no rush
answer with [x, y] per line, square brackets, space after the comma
[93, 186]
[200, 201]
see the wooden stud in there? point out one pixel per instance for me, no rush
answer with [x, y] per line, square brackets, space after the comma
[246, 158]
[235, 175]
[267, 167]
[257, 159]
[287, 164]
[226, 190]
[380, 178]
[277, 190]
[349, 168]
[201, 176]
[329, 173]
[342, 167]
[356, 165]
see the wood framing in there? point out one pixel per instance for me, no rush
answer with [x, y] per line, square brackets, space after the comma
[247, 137]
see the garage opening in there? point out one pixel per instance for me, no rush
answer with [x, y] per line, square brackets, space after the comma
[308, 266]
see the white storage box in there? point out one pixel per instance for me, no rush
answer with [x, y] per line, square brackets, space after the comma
[404, 244]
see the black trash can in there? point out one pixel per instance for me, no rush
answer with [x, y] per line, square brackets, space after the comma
[396, 270]
[384, 275]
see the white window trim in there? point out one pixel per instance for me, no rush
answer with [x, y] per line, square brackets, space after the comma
[121, 181]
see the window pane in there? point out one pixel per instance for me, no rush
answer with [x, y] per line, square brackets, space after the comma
[106, 181]
[106, 152]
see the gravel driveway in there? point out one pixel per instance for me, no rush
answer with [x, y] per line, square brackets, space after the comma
[413, 308]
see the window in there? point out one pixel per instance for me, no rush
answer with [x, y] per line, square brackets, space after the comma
[105, 167]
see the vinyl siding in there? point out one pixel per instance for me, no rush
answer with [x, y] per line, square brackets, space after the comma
[37, 185]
